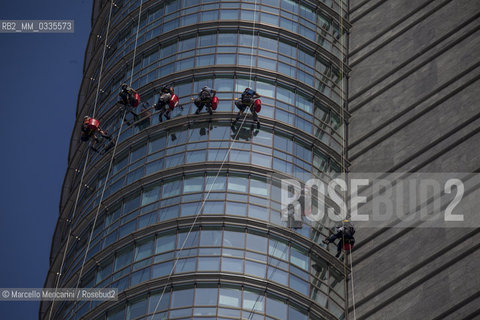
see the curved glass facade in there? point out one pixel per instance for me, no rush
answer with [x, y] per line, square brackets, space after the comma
[198, 173]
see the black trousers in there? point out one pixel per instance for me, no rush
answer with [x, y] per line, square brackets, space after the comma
[243, 106]
[200, 103]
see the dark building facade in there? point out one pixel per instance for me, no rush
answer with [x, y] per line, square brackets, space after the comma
[413, 97]
[189, 225]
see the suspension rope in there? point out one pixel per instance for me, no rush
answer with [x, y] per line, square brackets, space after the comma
[100, 202]
[113, 155]
[253, 42]
[103, 60]
[250, 315]
[344, 155]
[121, 126]
[59, 274]
[218, 172]
[353, 290]
[136, 41]
[198, 214]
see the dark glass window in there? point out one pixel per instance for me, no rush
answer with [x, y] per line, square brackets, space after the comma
[210, 238]
[182, 298]
[277, 308]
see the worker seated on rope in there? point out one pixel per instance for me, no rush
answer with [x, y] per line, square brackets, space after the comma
[90, 127]
[206, 98]
[130, 99]
[248, 100]
[163, 103]
[345, 233]
[127, 94]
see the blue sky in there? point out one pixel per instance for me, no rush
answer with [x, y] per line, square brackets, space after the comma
[40, 79]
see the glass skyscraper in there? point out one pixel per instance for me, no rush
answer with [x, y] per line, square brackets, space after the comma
[189, 226]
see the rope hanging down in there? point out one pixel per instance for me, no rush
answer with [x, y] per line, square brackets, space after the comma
[250, 315]
[342, 119]
[197, 215]
[218, 172]
[103, 59]
[353, 290]
[59, 273]
[136, 41]
[111, 160]
[100, 202]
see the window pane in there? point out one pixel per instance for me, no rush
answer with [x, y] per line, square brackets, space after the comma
[209, 15]
[206, 296]
[240, 156]
[123, 258]
[185, 265]
[157, 144]
[255, 269]
[285, 95]
[151, 194]
[298, 285]
[276, 308]
[154, 166]
[258, 187]
[227, 39]
[216, 184]
[193, 184]
[190, 209]
[208, 263]
[154, 300]
[258, 212]
[120, 162]
[268, 43]
[207, 40]
[278, 249]
[232, 265]
[253, 301]
[196, 156]
[229, 297]
[137, 153]
[191, 241]
[165, 243]
[162, 269]
[225, 59]
[182, 298]
[134, 175]
[131, 203]
[261, 160]
[256, 242]
[104, 271]
[299, 257]
[278, 275]
[172, 188]
[210, 238]
[224, 84]
[116, 314]
[233, 239]
[235, 208]
[238, 184]
[136, 309]
[169, 213]
[144, 249]
[213, 207]
[294, 313]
